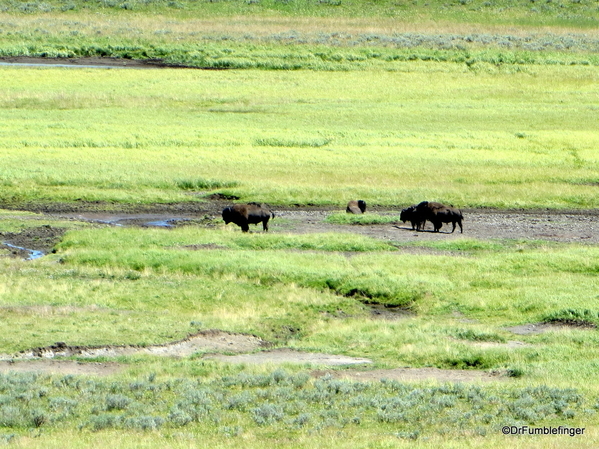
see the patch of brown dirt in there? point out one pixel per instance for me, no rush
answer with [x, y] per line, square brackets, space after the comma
[414, 375]
[204, 246]
[62, 367]
[290, 356]
[93, 62]
[558, 226]
[386, 312]
[512, 344]
[539, 328]
[206, 341]
[42, 238]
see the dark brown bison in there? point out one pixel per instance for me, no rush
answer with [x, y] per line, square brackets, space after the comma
[438, 214]
[356, 207]
[410, 214]
[245, 214]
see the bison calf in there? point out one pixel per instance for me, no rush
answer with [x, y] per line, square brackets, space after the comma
[356, 207]
[245, 214]
[438, 214]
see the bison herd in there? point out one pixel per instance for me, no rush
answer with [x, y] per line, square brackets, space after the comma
[436, 213]
[418, 214]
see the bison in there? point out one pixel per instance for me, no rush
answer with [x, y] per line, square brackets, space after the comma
[245, 214]
[438, 214]
[410, 214]
[356, 207]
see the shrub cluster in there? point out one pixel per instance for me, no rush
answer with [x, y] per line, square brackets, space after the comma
[279, 399]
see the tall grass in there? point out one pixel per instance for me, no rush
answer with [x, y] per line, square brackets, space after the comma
[501, 12]
[432, 131]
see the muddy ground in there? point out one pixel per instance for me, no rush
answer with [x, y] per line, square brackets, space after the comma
[566, 226]
[91, 62]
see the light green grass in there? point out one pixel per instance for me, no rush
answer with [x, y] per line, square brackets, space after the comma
[151, 286]
[137, 273]
[433, 131]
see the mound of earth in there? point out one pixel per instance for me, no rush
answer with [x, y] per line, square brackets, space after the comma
[204, 341]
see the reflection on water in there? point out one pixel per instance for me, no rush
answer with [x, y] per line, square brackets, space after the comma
[149, 220]
[33, 253]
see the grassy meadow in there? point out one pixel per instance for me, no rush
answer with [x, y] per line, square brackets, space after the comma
[475, 103]
[426, 130]
[112, 285]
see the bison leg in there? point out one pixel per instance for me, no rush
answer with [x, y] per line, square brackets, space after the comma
[265, 225]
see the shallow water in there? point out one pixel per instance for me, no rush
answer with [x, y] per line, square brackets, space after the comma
[33, 253]
[124, 219]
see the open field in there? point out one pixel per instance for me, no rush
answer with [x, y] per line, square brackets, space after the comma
[131, 316]
[439, 131]
[483, 306]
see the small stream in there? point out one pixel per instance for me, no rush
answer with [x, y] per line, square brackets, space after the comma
[33, 253]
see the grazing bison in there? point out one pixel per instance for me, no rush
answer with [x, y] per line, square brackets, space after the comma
[410, 214]
[438, 214]
[245, 214]
[356, 207]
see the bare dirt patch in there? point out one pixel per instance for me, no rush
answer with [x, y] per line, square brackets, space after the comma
[386, 312]
[539, 328]
[512, 344]
[32, 241]
[414, 375]
[291, 356]
[556, 226]
[90, 62]
[62, 367]
[204, 341]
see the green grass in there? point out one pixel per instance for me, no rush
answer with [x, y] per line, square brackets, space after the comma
[117, 285]
[391, 138]
[291, 281]
[472, 103]
[499, 12]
